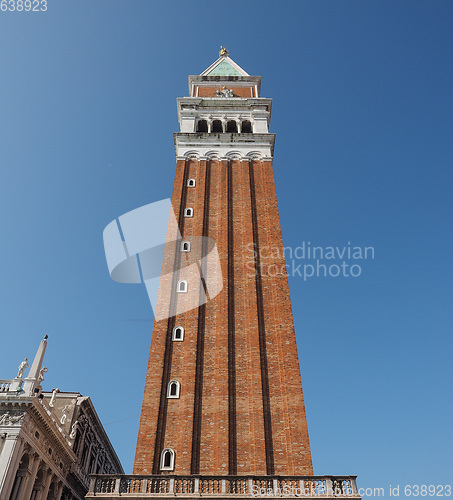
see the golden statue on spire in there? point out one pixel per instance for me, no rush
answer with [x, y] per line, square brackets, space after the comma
[223, 51]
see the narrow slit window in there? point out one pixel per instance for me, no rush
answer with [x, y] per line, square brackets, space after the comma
[188, 212]
[191, 183]
[182, 286]
[185, 246]
[173, 390]
[178, 333]
[167, 459]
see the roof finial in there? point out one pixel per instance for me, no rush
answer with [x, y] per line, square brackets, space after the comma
[223, 51]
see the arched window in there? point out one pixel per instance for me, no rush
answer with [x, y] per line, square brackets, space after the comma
[217, 126]
[182, 286]
[188, 212]
[178, 333]
[173, 389]
[191, 183]
[246, 127]
[185, 246]
[167, 459]
[202, 126]
[232, 126]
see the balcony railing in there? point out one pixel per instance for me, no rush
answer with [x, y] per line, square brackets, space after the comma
[135, 487]
[5, 385]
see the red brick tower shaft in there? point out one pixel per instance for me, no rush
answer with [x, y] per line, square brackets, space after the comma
[223, 393]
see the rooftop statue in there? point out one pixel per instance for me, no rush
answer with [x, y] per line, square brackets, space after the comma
[22, 368]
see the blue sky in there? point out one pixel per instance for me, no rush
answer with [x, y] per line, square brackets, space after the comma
[363, 115]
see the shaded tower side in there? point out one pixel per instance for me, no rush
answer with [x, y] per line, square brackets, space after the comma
[223, 392]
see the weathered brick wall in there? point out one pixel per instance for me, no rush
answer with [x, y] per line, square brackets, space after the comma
[289, 435]
[237, 91]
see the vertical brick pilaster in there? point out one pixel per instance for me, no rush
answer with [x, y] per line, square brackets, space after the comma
[251, 452]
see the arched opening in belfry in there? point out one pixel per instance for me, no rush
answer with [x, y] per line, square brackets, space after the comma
[217, 126]
[232, 126]
[246, 127]
[202, 126]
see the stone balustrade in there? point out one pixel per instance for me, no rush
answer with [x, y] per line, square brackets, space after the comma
[160, 486]
[5, 385]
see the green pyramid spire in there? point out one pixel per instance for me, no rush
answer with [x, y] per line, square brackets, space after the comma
[224, 68]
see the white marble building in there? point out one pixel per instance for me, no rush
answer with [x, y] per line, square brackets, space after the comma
[49, 441]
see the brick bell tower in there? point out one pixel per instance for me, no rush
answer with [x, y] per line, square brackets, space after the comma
[223, 412]
[223, 393]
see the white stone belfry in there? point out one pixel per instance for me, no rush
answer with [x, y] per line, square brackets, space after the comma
[32, 381]
[224, 114]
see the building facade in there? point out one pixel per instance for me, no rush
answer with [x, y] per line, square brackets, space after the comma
[223, 410]
[49, 441]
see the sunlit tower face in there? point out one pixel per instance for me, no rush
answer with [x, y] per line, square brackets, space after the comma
[223, 393]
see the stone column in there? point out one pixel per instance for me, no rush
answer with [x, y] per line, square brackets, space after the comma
[36, 491]
[20, 481]
[6, 457]
[31, 476]
[96, 460]
[9, 463]
[81, 444]
[47, 482]
[59, 491]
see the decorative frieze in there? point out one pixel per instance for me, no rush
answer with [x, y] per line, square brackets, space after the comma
[11, 418]
[221, 145]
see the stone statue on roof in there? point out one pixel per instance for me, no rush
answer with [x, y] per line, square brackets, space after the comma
[41, 374]
[22, 368]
